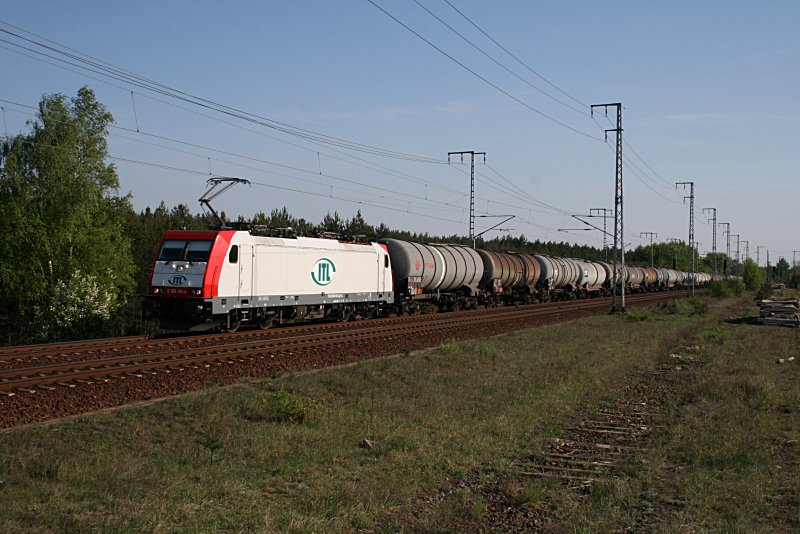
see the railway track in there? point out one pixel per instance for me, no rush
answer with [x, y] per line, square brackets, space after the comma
[131, 369]
[170, 354]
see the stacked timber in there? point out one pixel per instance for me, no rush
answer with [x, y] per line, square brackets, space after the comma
[780, 311]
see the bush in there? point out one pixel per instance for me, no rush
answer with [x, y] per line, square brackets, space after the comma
[449, 345]
[764, 292]
[720, 290]
[694, 306]
[671, 307]
[699, 306]
[727, 288]
[279, 407]
[636, 317]
[753, 275]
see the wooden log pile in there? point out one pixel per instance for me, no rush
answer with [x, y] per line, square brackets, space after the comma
[782, 311]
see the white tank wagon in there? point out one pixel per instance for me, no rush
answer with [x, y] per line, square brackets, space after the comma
[572, 273]
[592, 278]
[609, 272]
[502, 273]
[635, 277]
[550, 272]
[447, 275]
[244, 278]
[663, 277]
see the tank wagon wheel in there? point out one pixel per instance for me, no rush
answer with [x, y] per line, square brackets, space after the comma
[234, 321]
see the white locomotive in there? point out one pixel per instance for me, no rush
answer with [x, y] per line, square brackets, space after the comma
[223, 278]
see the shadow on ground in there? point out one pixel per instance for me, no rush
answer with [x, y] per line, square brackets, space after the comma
[744, 320]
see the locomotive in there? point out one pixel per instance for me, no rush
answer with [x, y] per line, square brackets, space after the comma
[204, 280]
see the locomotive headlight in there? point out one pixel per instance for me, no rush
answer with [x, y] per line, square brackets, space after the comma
[156, 290]
[196, 291]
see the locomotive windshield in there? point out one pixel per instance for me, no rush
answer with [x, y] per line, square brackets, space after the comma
[185, 250]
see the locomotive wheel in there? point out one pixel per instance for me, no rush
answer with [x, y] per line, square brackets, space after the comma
[265, 323]
[234, 321]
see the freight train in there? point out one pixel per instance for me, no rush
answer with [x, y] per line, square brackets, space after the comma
[222, 279]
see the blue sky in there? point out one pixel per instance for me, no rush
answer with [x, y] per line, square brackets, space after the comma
[709, 88]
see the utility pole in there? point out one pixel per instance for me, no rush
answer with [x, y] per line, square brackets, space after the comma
[675, 242]
[737, 236]
[651, 235]
[713, 220]
[471, 154]
[727, 226]
[758, 257]
[595, 212]
[794, 258]
[691, 223]
[746, 250]
[619, 243]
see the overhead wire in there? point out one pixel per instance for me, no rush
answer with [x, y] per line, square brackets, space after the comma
[365, 163]
[481, 77]
[283, 188]
[442, 205]
[106, 69]
[554, 86]
[445, 205]
[500, 64]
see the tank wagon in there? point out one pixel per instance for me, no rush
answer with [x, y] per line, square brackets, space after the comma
[446, 275]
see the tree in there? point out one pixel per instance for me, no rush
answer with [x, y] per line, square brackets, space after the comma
[794, 277]
[782, 270]
[752, 275]
[63, 223]
[332, 223]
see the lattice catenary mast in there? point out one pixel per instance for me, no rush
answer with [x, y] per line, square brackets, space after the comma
[727, 226]
[651, 235]
[713, 221]
[692, 274]
[595, 212]
[472, 154]
[618, 305]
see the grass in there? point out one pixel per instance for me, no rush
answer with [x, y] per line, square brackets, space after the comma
[288, 455]
[728, 459]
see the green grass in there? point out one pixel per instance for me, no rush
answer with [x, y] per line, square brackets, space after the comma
[287, 455]
[728, 459]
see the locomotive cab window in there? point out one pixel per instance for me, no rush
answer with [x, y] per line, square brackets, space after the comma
[198, 251]
[172, 250]
[233, 255]
[386, 261]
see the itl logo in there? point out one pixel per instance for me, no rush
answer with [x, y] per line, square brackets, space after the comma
[323, 271]
[177, 280]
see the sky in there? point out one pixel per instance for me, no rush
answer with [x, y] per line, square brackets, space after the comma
[709, 91]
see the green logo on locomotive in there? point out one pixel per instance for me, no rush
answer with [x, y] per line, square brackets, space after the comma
[323, 271]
